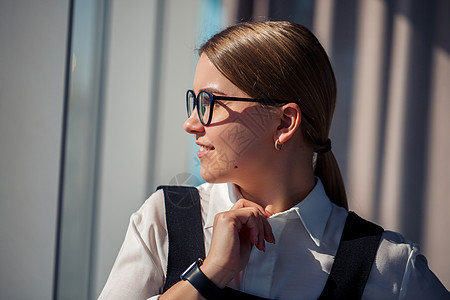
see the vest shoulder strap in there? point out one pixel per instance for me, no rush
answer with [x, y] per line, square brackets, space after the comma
[354, 259]
[185, 230]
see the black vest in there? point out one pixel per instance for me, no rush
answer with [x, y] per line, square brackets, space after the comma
[349, 273]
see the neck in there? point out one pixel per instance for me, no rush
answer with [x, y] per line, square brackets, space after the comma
[288, 183]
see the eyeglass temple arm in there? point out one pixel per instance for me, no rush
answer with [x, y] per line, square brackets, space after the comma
[264, 101]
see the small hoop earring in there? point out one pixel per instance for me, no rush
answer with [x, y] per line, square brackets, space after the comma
[278, 146]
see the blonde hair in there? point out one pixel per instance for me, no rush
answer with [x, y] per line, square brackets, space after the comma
[284, 60]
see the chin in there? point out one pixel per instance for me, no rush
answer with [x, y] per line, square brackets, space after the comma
[214, 176]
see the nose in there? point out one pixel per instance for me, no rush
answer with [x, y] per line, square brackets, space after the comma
[193, 125]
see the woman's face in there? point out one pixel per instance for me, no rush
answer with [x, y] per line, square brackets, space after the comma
[238, 144]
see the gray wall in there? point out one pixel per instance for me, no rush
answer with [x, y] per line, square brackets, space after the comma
[32, 71]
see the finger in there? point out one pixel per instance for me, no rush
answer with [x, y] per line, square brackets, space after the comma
[264, 232]
[253, 226]
[241, 203]
[268, 233]
[261, 234]
[252, 219]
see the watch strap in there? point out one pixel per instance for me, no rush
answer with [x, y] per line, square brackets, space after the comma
[202, 283]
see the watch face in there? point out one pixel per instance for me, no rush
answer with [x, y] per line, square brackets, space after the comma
[188, 270]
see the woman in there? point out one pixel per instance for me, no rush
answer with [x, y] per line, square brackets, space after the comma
[273, 209]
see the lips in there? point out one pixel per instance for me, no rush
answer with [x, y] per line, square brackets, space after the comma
[204, 150]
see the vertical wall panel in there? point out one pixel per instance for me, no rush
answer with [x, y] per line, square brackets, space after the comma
[150, 66]
[179, 52]
[322, 23]
[80, 151]
[366, 111]
[392, 165]
[436, 243]
[123, 168]
[342, 56]
[33, 36]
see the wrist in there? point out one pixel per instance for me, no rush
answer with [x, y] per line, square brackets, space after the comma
[217, 275]
[195, 276]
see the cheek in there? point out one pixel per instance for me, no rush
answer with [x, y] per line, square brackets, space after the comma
[220, 114]
[243, 143]
[237, 139]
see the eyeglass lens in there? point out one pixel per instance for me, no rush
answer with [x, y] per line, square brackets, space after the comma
[203, 108]
[190, 102]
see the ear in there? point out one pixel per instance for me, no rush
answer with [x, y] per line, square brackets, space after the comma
[291, 117]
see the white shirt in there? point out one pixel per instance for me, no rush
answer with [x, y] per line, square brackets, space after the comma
[296, 267]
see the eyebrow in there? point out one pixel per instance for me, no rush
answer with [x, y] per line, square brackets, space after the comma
[213, 91]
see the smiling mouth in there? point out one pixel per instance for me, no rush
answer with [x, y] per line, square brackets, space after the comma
[206, 148]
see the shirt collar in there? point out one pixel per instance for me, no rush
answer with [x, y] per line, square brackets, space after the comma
[313, 211]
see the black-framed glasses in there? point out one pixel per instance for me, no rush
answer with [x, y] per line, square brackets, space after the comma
[205, 102]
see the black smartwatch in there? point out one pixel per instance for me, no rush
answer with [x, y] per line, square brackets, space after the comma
[202, 284]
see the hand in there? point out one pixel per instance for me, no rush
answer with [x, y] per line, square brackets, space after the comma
[234, 234]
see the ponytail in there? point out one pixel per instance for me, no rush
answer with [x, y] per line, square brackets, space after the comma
[327, 170]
